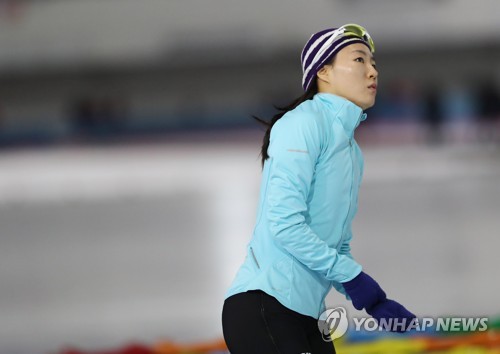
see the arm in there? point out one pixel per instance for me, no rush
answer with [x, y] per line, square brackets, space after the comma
[345, 249]
[294, 149]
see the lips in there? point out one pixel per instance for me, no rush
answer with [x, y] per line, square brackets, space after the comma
[373, 86]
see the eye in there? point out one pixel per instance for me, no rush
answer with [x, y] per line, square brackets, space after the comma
[360, 60]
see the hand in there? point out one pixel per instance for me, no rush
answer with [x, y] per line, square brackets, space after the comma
[391, 315]
[364, 291]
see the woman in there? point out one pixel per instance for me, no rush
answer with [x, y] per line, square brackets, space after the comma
[312, 169]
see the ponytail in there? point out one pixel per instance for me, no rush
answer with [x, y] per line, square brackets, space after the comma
[309, 94]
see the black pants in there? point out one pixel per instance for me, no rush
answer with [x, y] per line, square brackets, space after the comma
[256, 323]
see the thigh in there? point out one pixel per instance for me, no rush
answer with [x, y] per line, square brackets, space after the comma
[243, 326]
[286, 327]
[293, 332]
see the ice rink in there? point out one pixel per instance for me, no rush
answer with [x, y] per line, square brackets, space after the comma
[101, 246]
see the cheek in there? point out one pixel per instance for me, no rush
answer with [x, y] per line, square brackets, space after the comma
[343, 70]
[348, 80]
[347, 75]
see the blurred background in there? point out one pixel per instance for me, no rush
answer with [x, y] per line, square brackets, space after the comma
[129, 160]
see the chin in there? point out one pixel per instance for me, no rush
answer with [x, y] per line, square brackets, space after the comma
[367, 105]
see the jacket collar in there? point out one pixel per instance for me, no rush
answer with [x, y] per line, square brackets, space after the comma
[347, 112]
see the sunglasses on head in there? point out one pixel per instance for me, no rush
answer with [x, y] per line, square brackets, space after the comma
[352, 29]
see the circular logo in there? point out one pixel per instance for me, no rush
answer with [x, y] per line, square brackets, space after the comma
[333, 323]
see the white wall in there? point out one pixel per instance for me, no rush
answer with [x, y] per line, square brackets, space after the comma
[75, 32]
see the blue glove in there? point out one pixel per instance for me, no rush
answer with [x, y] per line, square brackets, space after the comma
[364, 291]
[396, 317]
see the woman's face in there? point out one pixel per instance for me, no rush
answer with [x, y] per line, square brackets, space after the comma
[352, 75]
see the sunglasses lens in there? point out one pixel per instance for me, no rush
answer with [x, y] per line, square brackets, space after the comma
[360, 32]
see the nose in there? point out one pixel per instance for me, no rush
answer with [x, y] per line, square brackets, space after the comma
[372, 72]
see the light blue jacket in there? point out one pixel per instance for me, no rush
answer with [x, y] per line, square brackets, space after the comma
[309, 194]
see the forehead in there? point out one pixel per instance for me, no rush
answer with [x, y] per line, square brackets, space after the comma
[356, 49]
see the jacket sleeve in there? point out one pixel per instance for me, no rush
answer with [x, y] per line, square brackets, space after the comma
[294, 149]
[345, 249]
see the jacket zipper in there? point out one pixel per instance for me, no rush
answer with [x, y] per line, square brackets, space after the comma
[350, 195]
[254, 258]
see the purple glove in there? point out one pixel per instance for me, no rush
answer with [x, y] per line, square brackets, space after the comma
[364, 291]
[396, 317]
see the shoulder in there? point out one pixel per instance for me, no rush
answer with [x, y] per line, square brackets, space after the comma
[299, 129]
[306, 117]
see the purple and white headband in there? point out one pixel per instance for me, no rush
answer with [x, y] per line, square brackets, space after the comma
[323, 45]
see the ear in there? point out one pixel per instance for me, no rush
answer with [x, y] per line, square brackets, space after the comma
[324, 73]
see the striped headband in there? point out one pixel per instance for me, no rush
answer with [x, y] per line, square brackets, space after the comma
[323, 45]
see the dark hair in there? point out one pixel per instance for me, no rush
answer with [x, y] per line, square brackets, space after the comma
[309, 94]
